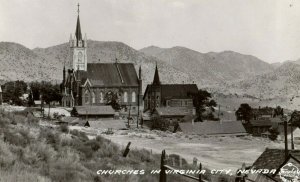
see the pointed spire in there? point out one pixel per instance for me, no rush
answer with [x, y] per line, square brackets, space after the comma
[140, 72]
[156, 80]
[78, 29]
[64, 74]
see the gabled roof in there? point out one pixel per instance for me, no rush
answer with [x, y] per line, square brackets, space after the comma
[263, 111]
[273, 158]
[110, 74]
[169, 91]
[173, 111]
[95, 110]
[114, 124]
[213, 128]
[68, 119]
[262, 122]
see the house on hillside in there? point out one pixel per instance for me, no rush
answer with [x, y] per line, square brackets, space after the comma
[95, 112]
[262, 113]
[275, 160]
[89, 84]
[213, 128]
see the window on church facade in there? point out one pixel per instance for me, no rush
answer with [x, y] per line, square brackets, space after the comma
[93, 98]
[125, 97]
[101, 97]
[87, 97]
[133, 96]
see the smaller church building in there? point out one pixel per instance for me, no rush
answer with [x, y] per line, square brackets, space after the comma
[159, 95]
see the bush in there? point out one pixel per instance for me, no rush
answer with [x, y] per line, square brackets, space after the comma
[64, 128]
[159, 124]
[81, 135]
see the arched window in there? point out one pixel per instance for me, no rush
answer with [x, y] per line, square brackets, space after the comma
[101, 97]
[125, 97]
[93, 98]
[133, 97]
[87, 97]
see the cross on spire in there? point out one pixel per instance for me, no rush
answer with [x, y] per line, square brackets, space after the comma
[78, 8]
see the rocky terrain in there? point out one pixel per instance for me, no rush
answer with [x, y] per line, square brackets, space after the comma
[225, 72]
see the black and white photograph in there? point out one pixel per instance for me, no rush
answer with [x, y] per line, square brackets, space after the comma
[149, 91]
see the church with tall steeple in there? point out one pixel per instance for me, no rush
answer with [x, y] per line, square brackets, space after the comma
[78, 48]
[86, 84]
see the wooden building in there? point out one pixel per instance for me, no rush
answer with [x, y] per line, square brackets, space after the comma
[274, 159]
[159, 95]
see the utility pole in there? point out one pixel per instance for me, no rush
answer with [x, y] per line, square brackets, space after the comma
[129, 115]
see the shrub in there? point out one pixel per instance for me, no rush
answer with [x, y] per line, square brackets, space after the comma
[15, 139]
[159, 124]
[81, 135]
[6, 156]
[64, 128]
[93, 144]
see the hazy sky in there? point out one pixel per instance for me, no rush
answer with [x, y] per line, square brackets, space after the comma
[267, 29]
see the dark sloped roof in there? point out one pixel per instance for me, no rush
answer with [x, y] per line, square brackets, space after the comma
[110, 74]
[95, 110]
[178, 90]
[273, 158]
[175, 90]
[68, 119]
[262, 122]
[114, 124]
[173, 111]
[213, 127]
[263, 111]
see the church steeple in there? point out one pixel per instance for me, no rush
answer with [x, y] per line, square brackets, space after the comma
[78, 28]
[156, 80]
[78, 48]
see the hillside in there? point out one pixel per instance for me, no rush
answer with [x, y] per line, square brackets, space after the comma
[212, 68]
[20, 63]
[226, 72]
[105, 52]
[36, 150]
[282, 82]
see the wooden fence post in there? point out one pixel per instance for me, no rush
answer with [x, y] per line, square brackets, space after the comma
[200, 176]
[162, 174]
[127, 150]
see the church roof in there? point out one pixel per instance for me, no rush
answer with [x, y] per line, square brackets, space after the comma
[175, 91]
[110, 74]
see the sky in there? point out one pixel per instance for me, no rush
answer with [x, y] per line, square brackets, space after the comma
[268, 29]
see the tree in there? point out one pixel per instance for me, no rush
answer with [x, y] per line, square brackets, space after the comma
[202, 100]
[157, 123]
[30, 100]
[112, 99]
[13, 90]
[278, 111]
[274, 133]
[295, 118]
[244, 112]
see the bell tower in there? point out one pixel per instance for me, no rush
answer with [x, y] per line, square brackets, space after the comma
[78, 48]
